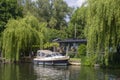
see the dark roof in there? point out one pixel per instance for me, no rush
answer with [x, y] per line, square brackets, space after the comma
[71, 41]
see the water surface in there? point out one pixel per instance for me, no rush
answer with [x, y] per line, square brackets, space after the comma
[36, 72]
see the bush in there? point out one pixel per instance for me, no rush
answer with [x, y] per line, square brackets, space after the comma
[72, 55]
[88, 61]
[81, 51]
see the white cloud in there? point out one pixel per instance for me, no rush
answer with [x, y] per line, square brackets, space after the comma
[75, 3]
[34, 0]
[71, 2]
[80, 2]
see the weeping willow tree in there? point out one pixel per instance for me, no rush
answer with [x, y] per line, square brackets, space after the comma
[20, 35]
[40, 27]
[102, 30]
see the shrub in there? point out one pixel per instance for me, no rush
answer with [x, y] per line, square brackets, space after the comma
[72, 55]
[81, 51]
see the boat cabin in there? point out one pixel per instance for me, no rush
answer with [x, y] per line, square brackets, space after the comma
[47, 53]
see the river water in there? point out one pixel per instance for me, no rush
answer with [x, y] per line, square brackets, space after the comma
[29, 71]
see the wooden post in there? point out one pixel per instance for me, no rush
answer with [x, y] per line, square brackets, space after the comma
[67, 50]
[54, 49]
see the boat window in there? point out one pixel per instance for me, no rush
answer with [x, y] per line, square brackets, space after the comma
[41, 54]
[48, 55]
[53, 54]
[58, 54]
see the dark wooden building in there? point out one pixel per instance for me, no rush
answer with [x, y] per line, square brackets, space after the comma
[69, 45]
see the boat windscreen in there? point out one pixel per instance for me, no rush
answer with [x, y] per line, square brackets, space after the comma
[48, 55]
[57, 54]
[41, 54]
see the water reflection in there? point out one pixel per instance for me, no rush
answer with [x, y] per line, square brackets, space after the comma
[17, 72]
[52, 72]
[36, 72]
[74, 73]
[6, 71]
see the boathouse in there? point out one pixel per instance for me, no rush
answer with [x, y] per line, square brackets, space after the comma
[69, 45]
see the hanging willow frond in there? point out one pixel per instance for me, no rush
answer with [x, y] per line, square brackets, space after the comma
[19, 35]
[102, 30]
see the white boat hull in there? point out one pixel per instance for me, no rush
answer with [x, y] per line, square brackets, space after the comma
[51, 62]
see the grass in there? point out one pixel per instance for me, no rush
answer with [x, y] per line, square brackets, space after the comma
[75, 59]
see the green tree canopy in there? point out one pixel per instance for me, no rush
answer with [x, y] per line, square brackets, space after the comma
[51, 12]
[53, 34]
[54, 12]
[77, 23]
[103, 27]
[8, 9]
[20, 35]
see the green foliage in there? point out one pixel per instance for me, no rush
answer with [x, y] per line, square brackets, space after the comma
[49, 45]
[88, 60]
[77, 23]
[53, 12]
[59, 11]
[53, 34]
[102, 29]
[8, 9]
[71, 54]
[81, 51]
[20, 35]
[52, 22]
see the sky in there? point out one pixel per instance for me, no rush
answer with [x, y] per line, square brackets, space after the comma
[74, 3]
